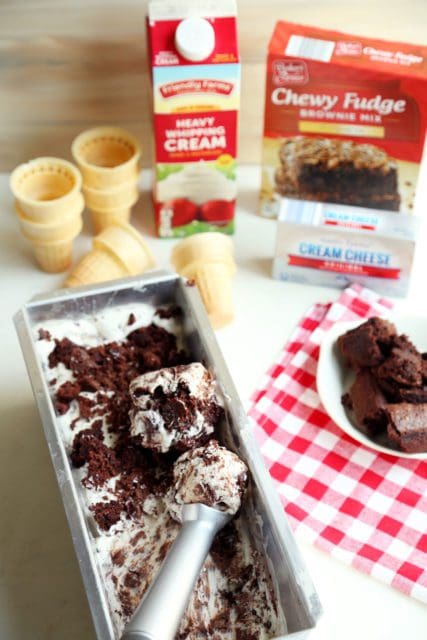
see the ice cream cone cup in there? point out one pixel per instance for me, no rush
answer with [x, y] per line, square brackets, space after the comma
[202, 247]
[54, 257]
[68, 226]
[46, 189]
[208, 259]
[214, 282]
[118, 251]
[121, 196]
[128, 246]
[106, 156]
[103, 219]
[96, 266]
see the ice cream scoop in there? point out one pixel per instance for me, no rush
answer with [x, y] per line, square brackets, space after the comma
[174, 408]
[209, 475]
[161, 609]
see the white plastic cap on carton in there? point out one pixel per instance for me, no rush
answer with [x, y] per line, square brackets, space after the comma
[195, 39]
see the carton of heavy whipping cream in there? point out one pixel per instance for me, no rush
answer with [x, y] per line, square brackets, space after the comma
[195, 74]
[345, 119]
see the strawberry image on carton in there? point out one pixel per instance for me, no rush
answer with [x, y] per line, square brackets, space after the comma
[195, 76]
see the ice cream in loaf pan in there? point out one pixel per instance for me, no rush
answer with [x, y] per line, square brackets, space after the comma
[89, 364]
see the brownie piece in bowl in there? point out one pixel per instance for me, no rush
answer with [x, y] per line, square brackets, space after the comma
[388, 397]
[407, 426]
[367, 344]
[367, 402]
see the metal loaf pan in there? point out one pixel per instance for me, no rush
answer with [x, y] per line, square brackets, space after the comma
[295, 590]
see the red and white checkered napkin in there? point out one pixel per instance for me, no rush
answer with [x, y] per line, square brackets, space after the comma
[366, 508]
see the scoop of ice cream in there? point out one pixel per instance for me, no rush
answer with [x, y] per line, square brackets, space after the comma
[174, 408]
[211, 475]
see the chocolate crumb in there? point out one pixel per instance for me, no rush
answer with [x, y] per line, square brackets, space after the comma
[106, 513]
[173, 311]
[118, 557]
[61, 407]
[68, 392]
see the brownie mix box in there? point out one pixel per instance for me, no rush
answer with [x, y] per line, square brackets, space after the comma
[345, 124]
[195, 78]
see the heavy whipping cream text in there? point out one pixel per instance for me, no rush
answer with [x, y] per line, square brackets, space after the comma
[195, 134]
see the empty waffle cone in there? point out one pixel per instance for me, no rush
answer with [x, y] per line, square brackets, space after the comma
[128, 246]
[46, 189]
[106, 156]
[68, 226]
[119, 197]
[55, 256]
[96, 266]
[214, 282]
[118, 251]
[103, 219]
[204, 247]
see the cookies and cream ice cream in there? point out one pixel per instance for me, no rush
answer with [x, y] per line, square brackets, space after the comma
[174, 408]
[210, 475]
[125, 489]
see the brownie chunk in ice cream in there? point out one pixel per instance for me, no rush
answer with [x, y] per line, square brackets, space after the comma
[366, 400]
[210, 475]
[367, 344]
[175, 408]
[407, 428]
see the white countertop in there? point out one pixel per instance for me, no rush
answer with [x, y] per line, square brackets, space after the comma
[42, 596]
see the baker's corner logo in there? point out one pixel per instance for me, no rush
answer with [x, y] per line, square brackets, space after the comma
[289, 72]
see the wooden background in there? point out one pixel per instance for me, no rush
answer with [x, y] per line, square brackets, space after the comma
[66, 65]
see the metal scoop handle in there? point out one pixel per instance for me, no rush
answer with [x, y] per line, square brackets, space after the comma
[160, 611]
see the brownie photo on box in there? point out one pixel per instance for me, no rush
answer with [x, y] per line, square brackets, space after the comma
[388, 398]
[338, 171]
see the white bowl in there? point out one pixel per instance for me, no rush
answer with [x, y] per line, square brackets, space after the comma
[334, 378]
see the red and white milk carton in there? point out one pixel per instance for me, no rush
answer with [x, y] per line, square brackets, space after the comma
[195, 74]
[345, 125]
